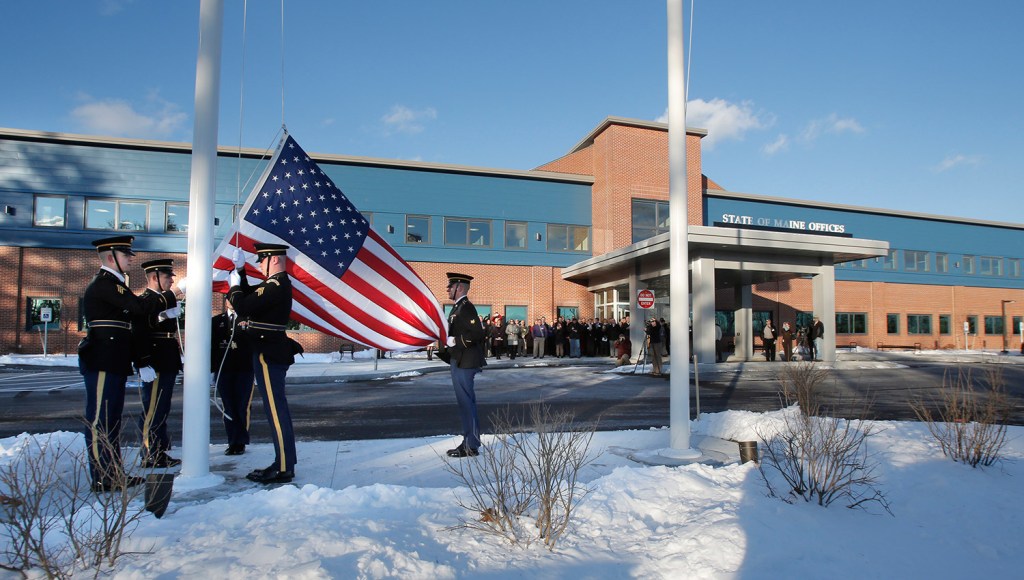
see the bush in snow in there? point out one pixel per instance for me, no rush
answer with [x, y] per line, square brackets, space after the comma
[525, 483]
[817, 458]
[970, 426]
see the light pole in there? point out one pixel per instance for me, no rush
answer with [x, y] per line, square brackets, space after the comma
[1005, 302]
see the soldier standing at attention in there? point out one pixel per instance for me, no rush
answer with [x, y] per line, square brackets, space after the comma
[465, 356]
[267, 308]
[105, 358]
[156, 338]
[231, 363]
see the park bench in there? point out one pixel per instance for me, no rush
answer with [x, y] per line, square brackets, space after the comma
[915, 346]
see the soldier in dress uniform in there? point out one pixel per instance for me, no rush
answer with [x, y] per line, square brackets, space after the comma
[464, 353]
[105, 358]
[267, 308]
[157, 349]
[231, 363]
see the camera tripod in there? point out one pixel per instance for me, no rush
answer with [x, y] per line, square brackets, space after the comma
[642, 356]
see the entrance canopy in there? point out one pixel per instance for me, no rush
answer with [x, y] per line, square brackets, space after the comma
[737, 258]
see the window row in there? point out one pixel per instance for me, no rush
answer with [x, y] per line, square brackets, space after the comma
[939, 262]
[477, 233]
[922, 324]
[50, 211]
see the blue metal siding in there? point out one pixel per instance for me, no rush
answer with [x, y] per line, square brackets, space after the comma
[954, 238]
[92, 171]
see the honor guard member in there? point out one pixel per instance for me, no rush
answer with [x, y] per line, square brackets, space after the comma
[105, 358]
[231, 365]
[464, 353]
[267, 308]
[158, 358]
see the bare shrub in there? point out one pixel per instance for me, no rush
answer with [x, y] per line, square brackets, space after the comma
[816, 458]
[969, 426]
[525, 483]
[56, 524]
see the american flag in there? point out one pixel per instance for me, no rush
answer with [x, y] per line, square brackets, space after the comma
[346, 280]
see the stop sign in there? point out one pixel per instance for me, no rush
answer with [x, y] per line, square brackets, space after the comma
[645, 299]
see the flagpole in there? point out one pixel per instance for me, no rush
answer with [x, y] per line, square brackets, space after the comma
[202, 193]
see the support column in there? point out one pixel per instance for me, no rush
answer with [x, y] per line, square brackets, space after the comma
[824, 289]
[636, 316]
[704, 309]
[744, 322]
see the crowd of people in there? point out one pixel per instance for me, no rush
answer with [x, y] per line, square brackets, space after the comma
[564, 337]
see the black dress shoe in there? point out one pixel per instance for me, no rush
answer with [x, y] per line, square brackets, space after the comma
[160, 461]
[463, 451]
[271, 475]
[130, 481]
[235, 450]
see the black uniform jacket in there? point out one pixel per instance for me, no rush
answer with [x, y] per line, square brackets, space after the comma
[239, 356]
[266, 310]
[465, 326]
[109, 307]
[156, 343]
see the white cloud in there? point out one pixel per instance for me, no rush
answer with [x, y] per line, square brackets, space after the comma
[402, 119]
[111, 7]
[831, 124]
[781, 143]
[722, 119]
[157, 119]
[952, 161]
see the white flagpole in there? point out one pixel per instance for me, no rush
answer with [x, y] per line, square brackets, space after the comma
[679, 284]
[202, 193]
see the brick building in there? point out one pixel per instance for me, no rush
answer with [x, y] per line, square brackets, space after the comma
[577, 236]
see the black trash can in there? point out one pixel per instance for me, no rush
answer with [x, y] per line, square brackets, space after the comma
[748, 451]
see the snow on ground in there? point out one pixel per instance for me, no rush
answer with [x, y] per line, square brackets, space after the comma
[381, 509]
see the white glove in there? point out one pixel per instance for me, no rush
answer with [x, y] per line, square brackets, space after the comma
[147, 374]
[181, 286]
[213, 379]
[169, 313]
[237, 258]
[450, 341]
[234, 279]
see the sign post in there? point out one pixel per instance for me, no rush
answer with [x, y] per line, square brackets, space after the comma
[45, 316]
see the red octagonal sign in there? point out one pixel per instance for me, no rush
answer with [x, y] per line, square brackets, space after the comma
[645, 299]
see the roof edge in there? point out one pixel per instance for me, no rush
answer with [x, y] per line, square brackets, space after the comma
[611, 120]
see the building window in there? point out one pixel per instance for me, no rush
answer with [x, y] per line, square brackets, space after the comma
[417, 229]
[563, 238]
[650, 218]
[941, 262]
[41, 308]
[972, 324]
[994, 325]
[463, 232]
[991, 266]
[944, 323]
[919, 324]
[851, 323]
[968, 264]
[892, 323]
[1015, 327]
[177, 218]
[515, 312]
[103, 214]
[50, 211]
[568, 312]
[1013, 267]
[515, 235]
[890, 261]
[915, 261]
[856, 264]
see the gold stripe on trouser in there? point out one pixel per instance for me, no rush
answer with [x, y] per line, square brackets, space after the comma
[273, 411]
[150, 411]
[101, 378]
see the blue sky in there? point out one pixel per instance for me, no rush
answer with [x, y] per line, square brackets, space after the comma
[913, 105]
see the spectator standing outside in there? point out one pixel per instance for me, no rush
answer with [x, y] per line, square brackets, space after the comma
[540, 334]
[718, 342]
[231, 365]
[817, 338]
[560, 338]
[654, 345]
[105, 359]
[155, 338]
[787, 342]
[574, 338]
[768, 340]
[464, 353]
[267, 308]
[512, 338]
[497, 336]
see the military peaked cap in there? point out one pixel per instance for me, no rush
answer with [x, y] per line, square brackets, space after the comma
[265, 250]
[119, 243]
[165, 265]
[456, 278]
